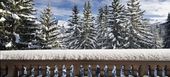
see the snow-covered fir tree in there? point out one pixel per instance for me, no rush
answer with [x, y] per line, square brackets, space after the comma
[167, 33]
[74, 31]
[117, 33]
[115, 27]
[9, 21]
[29, 29]
[75, 18]
[3, 34]
[88, 32]
[102, 27]
[50, 29]
[139, 35]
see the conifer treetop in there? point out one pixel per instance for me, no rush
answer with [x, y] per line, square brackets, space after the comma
[168, 17]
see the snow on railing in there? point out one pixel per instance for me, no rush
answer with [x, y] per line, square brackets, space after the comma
[117, 54]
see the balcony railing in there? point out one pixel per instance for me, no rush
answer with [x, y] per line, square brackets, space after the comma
[82, 63]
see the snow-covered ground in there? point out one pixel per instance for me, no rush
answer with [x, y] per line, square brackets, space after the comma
[122, 54]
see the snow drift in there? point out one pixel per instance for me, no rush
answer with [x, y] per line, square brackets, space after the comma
[122, 54]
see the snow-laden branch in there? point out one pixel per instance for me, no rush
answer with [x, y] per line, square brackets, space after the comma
[123, 54]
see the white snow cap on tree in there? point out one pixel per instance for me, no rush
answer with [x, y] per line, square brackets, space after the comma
[1, 10]
[37, 22]
[5, 11]
[3, 5]
[21, 7]
[17, 37]
[15, 16]
[8, 44]
[27, 16]
[2, 19]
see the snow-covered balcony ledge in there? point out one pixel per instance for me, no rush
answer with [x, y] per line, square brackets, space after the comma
[115, 55]
[140, 59]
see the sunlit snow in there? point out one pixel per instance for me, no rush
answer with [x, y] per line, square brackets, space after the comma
[2, 19]
[15, 16]
[123, 54]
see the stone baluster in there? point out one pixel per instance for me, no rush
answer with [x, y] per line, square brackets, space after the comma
[18, 73]
[137, 71]
[72, 71]
[165, 71]
[64, 71]
[48, 71]
[24, 71]
[106, 71]
[149, 71]
[122, 74]
[81, 71]
[130, 71]
[32, 71]
[39, 71]
[89, 71]
[155, 71]
[114, 71]
[55, 71]
[97, 71]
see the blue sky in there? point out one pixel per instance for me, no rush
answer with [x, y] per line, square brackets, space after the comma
[154, 9]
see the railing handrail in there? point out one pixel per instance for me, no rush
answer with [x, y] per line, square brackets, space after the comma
[116, 54]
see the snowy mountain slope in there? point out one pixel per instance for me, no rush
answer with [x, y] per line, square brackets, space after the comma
[63, 23]
[154, 20]
[134, 55]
